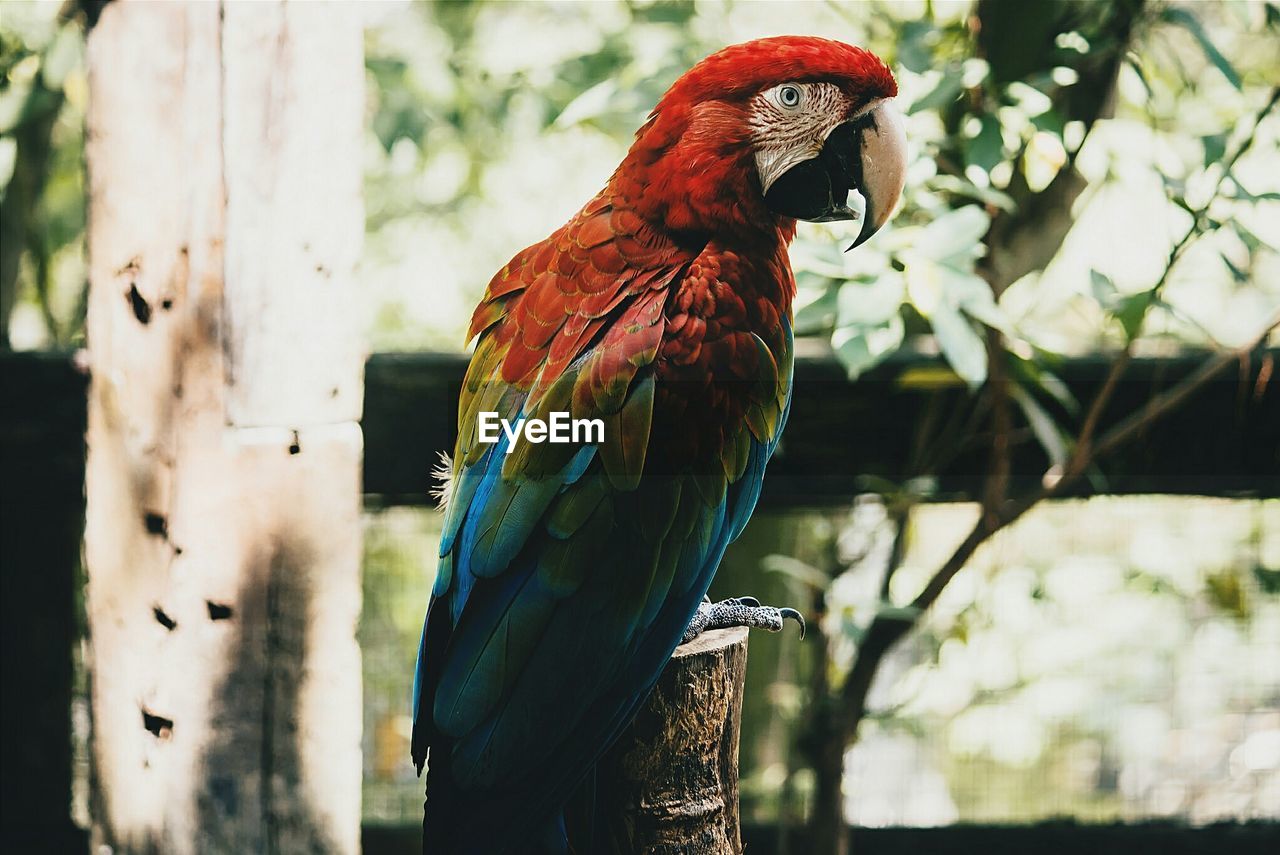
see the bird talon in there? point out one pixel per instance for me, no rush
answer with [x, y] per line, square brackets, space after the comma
[740, 611]
[795, 616]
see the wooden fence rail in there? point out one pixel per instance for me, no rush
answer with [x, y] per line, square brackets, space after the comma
[1223, 442]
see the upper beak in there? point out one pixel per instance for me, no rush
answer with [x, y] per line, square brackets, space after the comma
[883, 149]
[864, 158]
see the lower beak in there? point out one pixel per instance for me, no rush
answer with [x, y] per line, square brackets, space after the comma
[858, 175]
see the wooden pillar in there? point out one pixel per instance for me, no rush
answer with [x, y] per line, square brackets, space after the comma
[222, 540]
[669, 785]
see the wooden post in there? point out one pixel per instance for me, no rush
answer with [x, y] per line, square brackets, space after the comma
[670, 783]
[222, 536]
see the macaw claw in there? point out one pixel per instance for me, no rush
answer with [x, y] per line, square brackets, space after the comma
[739, 611]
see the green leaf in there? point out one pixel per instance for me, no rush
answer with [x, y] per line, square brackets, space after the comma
[1215, 146]
[62, 55]
[860, 348]
[987, 311]
[1237, 274]
[1251, 240]
[1131, 311]
[591, 104]
[914, 50]
[1135, 62]
[961, 187]
[1268, 579]
[961, 344]
[1043, 426]
[1191, 23]
[956, 236]
[854, 352]
[971, 294]
[1051, 122]
[870, 304]
[1186, 319]
[1243, 193]
[796, 569]
[8, 159]
[986, 149]
[1226, 592]
[1104, 290]
[1181, 202]
[817, 316]
[1056, 388]
[823, 258]
[947, 90]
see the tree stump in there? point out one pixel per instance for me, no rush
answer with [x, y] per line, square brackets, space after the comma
[670, 783]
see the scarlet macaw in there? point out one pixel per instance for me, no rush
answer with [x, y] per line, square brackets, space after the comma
[569, 572]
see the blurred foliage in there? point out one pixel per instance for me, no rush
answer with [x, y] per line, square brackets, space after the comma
[1005, 120]
[489, 123]
[396, 581]
[533, 124]
[1105, 660]
[42, 208]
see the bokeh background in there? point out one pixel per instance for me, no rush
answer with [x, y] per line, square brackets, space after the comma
[1103, 659]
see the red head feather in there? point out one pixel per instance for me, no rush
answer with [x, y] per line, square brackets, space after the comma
[741, 70]
[690, 168]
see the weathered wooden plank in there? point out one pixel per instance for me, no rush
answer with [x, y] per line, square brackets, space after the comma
[289, 256]
[1224, 442]
[222, 537]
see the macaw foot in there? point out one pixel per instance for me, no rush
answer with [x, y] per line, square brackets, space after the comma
[738, 611]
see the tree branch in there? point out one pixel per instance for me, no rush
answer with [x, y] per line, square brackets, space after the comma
[1166, 402]
[1082, 454]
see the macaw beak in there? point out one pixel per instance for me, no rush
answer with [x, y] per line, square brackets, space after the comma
[858, 175]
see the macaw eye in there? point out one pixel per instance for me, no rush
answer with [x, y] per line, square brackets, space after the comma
[789, 96]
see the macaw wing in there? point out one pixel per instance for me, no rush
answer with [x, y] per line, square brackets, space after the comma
[567, 325]
[619, 573]
[649, 554]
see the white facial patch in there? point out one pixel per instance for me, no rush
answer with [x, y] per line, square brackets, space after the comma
[787, 130]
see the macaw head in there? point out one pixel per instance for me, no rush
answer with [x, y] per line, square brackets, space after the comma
[792, 127]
